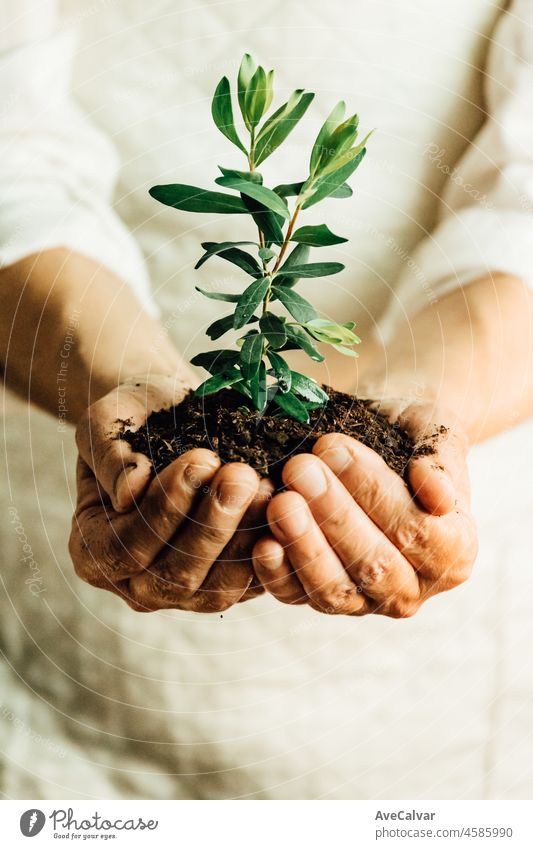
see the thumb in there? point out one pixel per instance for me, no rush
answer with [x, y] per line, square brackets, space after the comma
[122, 473]
[437, 473]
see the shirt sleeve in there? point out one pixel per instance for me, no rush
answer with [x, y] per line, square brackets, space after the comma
[485, 221]
[57, 171]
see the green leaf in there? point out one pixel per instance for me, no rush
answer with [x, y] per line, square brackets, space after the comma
[213, 248]
[287, 190]
[345, 134]
[340, 140]
[220, 326]
[320, 146]
[249, 300]
[281, 370]
[348, 352]
[222, 113]
[242, 387]
[291, 405]
[299, 338]
[311, 269]
[266, 254]
[308, 388]
[268, 222]
[298, 256]
[344, 191]
[331, 332]
[317, 236]
[276, 130]
[219, 296]
[269, 91]
[246, 72]
[251, 355]
[345, 158]
[193, 199]
[265, 196]
[218, 381]
[256, 97]
[241, 259]
[216, 361]
[251, 176]
[273, 328]
[299, 308]
[258, 388]
[327, 185]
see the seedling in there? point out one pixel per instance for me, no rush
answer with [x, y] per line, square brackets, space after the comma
[256, 367]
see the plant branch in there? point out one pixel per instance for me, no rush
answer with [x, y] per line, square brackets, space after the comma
[288, 235]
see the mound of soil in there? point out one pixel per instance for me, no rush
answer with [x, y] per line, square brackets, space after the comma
[224, 424]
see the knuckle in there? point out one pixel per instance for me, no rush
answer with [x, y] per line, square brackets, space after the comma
[414, 532]
[369, 488]
[210, 536]
[401, 608]
[376, 572]
[337, 600]
[139, 606]
[86, 567]
[458, 574]
[171, 584]
[213, 602]
[114, 556]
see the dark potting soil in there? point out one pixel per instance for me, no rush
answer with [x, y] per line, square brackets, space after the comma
[225, 425]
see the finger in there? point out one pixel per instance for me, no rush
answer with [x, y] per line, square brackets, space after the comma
[273, 569]
[426, 541]
[376, 566]
[230, 579]
[182, 568]
[314, 562]
[121, 472]
[438, 472]
[379, 491]
[107, 546]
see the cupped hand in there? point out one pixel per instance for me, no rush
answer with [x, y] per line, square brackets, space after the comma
[349, 536]
[181, 539]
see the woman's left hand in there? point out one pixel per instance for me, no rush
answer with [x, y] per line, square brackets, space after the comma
[350, 537]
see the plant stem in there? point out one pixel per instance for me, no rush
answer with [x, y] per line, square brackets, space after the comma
[266, 299]
[285, 244]
[290, 229]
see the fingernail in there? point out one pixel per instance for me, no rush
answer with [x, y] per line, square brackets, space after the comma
[294, 523]
[337, 458]
[233, 496]
[196, 474]
[311, 480]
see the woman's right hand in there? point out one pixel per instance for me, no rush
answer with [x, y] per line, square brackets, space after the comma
[181, 539]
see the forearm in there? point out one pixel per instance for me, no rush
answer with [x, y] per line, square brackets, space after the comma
[68, 324]
[471, 352]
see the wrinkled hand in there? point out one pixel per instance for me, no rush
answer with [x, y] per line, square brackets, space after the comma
[349, 537]
[181, 539]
